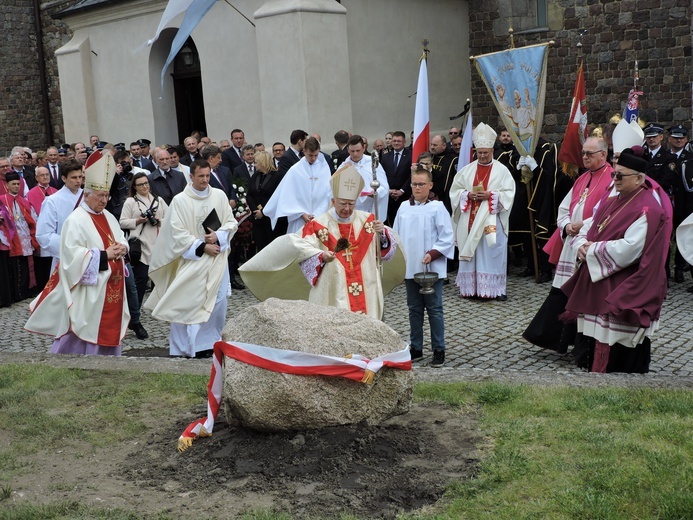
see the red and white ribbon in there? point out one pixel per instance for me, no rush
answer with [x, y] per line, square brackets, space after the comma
[355, 367]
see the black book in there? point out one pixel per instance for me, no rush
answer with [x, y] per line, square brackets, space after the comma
[211, 222]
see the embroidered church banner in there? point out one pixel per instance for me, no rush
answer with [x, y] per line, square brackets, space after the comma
[516, 80]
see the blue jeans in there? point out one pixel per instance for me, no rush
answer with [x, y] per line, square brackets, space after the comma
[433, 303]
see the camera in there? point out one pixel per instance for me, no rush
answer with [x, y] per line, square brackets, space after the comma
[127, 167]
[149, 214]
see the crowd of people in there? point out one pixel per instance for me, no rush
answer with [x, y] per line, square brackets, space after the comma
[295, 209]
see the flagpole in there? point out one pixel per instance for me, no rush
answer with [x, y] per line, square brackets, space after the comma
[526, 179]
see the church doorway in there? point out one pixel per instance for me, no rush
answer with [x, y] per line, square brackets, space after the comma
[187, 88]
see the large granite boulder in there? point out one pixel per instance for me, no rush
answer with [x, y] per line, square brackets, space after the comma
[270, 401]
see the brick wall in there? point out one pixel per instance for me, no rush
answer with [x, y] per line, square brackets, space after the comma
[655, 32]
[21, 112]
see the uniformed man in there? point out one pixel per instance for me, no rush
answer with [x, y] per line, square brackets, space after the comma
[682, 188]
[660, 163]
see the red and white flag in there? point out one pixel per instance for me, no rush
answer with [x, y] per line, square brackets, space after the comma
[576, 132]
[355, 367]
[422, 127]
[467, 148]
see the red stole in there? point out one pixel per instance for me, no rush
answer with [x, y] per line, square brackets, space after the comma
[112, 313]
[350, 258]
[481, 177]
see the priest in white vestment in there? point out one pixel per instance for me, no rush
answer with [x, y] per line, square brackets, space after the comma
[335, 258]
[189, 266]
[304, 192]
[482, 196]
[84, 304]
[364, 165]
[56, 208]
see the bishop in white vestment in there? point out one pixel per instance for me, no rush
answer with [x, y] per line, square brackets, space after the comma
[84, 305]
[482, 196]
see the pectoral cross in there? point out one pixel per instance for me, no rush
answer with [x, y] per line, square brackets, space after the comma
[348, 254]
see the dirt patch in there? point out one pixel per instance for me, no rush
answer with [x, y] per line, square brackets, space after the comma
[372, 472]
[145, 352]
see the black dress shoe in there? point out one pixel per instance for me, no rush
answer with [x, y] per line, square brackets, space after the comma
[527, 272]
[678, 275]
[139, 330]
[502, 298]
[202, 354]
[237, 285]
[544, 277]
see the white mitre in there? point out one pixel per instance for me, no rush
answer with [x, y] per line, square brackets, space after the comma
[627, 135]
[99, 171]
[484, 136]
[347, 184]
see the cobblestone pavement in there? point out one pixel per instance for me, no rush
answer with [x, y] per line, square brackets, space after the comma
[482, 336]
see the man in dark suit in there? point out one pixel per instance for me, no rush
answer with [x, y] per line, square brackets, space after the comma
[165, 181]
[220, 176]
[278, 150]
[293, 154]
[191, 154]
[397, 166]
[233, 156]
[53, 166]
[341, 138]
[246, 169]
[26, 173]
[222, 179]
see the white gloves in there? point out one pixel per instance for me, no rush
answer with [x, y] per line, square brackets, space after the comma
[531, 162]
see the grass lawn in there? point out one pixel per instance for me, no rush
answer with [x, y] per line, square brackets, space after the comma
[552, 452]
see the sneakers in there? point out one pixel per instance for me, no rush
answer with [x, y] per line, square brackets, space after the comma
[415, 354]
[438, 359]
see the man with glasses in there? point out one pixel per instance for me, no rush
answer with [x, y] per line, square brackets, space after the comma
[84, 304]
[425, 229]
[278, 150]
[546, 330]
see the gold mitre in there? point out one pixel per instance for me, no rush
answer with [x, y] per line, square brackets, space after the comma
[99, 171]
[347, 183]
[484, 136]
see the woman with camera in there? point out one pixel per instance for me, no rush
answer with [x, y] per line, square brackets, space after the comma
[141, 216]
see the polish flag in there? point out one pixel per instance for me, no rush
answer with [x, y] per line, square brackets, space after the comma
[576, 131]
[422, 128]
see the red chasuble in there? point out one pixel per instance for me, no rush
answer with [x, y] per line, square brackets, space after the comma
[350, 258]
[111, 315]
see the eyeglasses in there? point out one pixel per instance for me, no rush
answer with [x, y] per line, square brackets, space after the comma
[141, 184]
[587, 152]
[620, 176]
[418, 184]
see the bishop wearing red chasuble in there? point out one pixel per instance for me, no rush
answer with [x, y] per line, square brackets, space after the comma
[338, 252]
[83, 305]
